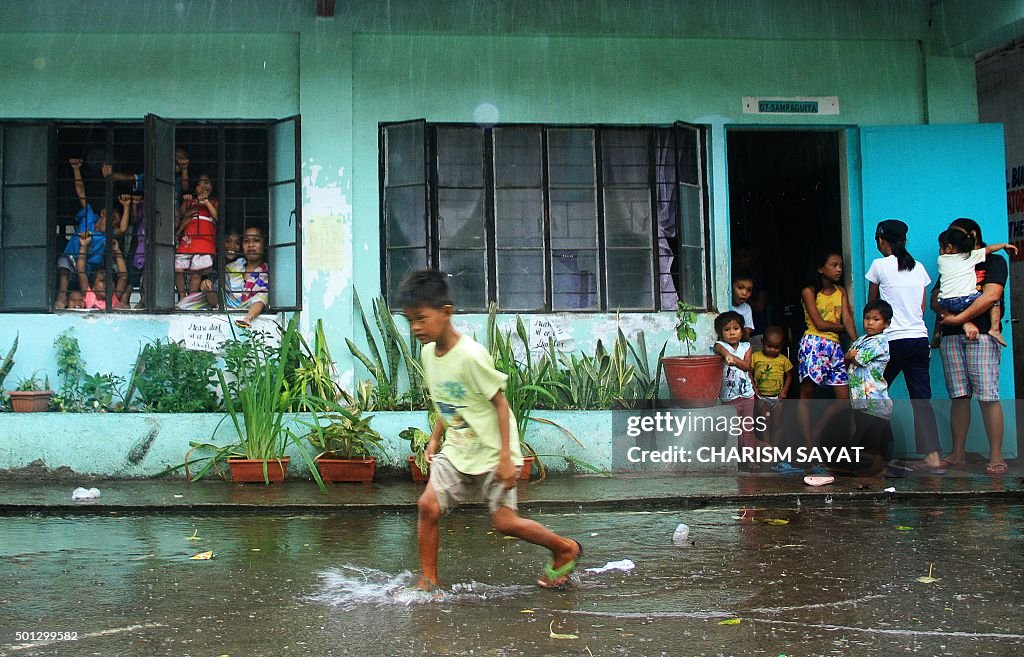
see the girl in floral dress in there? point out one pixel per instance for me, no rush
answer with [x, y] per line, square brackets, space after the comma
[820, 356]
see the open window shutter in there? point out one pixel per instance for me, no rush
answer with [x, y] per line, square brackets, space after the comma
[694, 281]
[26, 275]
[405, 202]
[285, 197]
[160, 213]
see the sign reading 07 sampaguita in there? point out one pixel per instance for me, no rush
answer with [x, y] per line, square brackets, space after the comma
[803, 105]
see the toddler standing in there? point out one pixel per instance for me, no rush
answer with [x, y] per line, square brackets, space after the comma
[773, 376]
[737, 390]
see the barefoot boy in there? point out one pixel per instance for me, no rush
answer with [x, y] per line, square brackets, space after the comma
[481, 443]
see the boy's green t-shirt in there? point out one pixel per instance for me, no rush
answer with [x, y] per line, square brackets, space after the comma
[462, 383]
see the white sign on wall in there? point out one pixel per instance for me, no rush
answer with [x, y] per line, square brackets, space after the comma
[207, 332]
[199, 332]
[544, 329]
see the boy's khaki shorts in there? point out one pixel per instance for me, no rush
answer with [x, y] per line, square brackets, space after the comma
[452, 487]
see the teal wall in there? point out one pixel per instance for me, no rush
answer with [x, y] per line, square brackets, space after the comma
[145, 444]
[114, 76]
[654, 61]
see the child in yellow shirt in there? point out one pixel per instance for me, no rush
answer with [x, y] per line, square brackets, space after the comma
[772, 377]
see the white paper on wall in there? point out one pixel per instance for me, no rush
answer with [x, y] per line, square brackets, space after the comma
[543, 329]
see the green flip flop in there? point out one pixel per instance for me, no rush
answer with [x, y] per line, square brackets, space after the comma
[552, 573]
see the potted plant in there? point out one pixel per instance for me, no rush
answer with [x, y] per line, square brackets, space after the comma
[693, 380]
[257, 404]
[31, 395]
[346, 446]
[418, 440]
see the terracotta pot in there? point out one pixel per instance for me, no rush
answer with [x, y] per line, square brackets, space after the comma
[527, 469]
[417, 474]
[340, 470]
[30, 401]
[251, 470]
[694, 381]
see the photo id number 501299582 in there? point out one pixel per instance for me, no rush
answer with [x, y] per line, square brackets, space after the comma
[45, 636]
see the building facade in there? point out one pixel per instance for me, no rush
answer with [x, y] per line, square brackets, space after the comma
[585, 163]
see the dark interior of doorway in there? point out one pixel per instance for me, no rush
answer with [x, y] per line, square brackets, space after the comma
[784, 207]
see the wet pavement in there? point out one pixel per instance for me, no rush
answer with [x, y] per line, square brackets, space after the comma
[776, 568]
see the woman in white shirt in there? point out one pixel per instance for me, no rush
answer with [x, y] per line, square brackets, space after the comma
[902, 281]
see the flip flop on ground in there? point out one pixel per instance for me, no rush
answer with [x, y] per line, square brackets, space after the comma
[819, 480]
[996, 469]
[557, 578]
[785, 468]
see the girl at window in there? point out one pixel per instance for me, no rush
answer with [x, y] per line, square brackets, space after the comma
[197, 237]
[247, 278]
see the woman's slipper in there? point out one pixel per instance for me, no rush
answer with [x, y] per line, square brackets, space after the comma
[996, 469]
[819, 480]
[552, 575]
[785, 468]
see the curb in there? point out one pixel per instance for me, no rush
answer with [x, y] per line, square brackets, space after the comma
[87, 508]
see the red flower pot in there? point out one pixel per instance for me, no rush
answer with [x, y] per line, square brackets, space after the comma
[30, 401]
[527, 469]
[694, 381]
[417, 474]
[342, 470]
[251, 470]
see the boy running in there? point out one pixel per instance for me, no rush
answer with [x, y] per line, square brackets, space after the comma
[481, 443]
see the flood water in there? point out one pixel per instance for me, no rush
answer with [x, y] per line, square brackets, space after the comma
[832, 580]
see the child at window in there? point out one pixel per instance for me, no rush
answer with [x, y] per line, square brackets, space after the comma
[208, 295]
[137, 247]
[958, 283]
[197, 237]
[95, 295]
[137, 180]
[247, 278]
[87, 221]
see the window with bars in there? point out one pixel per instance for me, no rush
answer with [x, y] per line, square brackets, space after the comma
[254, 167]
[548, 218]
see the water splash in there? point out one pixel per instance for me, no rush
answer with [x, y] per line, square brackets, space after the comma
[350, 586]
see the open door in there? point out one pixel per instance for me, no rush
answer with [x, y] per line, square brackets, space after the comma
[26, 276]
[927, 176]
[160, 213]
[285, 240]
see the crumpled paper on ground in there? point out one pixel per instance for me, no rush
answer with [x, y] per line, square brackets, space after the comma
[625, 565]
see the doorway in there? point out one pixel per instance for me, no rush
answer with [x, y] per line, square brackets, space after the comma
[785, 205]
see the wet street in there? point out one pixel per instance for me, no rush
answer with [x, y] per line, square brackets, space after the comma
[817, 579]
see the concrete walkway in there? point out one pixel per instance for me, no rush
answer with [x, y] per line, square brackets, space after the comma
[587, 492]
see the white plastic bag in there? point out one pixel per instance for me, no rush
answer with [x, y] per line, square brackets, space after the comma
[85, 493]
